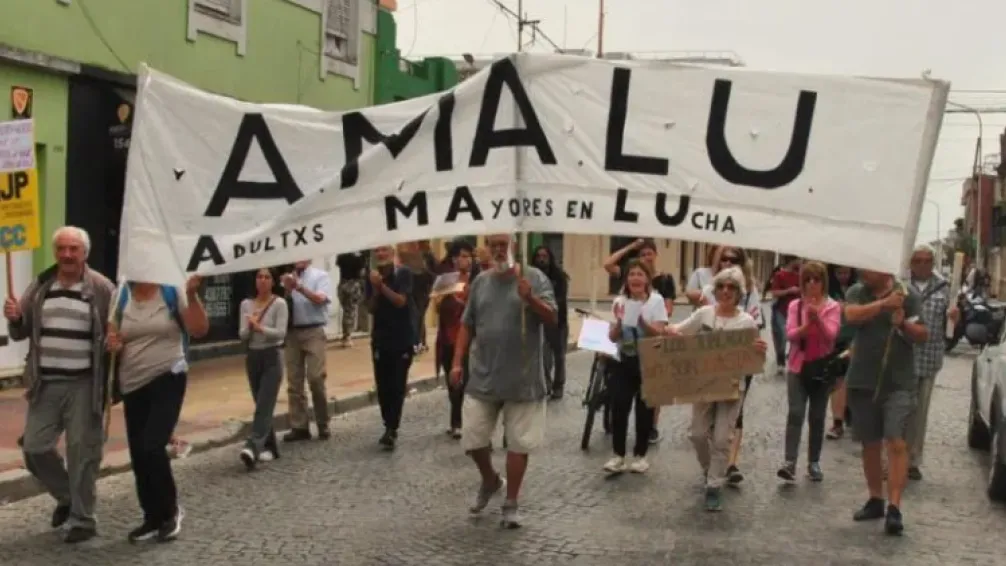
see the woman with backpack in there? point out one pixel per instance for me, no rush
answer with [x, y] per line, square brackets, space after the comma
[812, 325]
[150, 333]
[262, 327]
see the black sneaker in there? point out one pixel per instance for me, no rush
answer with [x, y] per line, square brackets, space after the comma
[872, 510]
[60, 516]
[814, 472]
[893, 524]
[787, 472]
[324, 433]
[556, 395]
[169, 530]
[388, 439]
[654, 436]
[734, 476]
[79, 534]
[146, 531]
[297, 435]
[914, 473]
[248, 458]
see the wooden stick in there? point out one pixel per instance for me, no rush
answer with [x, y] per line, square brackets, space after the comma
[10, 272]
[113, 313]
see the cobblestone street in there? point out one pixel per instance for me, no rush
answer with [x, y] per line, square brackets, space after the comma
[346, 503]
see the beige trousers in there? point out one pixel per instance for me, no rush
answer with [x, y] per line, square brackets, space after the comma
[305, 361]
[712, 428]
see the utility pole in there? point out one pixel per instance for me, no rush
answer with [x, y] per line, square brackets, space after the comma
[600, 29]
[523, 22]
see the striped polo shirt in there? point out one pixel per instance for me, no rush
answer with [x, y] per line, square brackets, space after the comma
[66, 337]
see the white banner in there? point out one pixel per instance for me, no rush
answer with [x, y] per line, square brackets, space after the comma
[832, 168]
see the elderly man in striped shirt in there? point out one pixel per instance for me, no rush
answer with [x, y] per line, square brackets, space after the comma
[62, 314]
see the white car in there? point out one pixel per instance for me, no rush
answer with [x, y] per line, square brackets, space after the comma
[987, 417]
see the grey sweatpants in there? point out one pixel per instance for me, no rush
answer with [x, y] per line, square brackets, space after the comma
[66, 406]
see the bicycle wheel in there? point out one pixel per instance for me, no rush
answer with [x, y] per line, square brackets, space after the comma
[590, 401]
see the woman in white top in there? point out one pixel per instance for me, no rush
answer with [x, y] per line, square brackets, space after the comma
[727, 257]
[701, 277]
[720, 416]
[639, 312]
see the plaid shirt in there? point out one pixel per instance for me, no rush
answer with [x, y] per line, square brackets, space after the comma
[929, 354]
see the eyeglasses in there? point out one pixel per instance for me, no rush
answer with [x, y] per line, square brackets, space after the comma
[732, 260]
[722, 286]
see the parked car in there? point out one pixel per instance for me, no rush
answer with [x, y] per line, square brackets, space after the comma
[987, 416]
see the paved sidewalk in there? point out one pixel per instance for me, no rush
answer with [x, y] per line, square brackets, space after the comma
[218, 407]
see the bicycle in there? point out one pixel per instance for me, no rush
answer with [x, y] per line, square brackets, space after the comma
[595, 398]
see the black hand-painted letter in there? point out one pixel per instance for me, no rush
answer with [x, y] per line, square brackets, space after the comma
[726, 165]
[614, 157]
[417, 204]
[253, 127]
[356, 129]
[487, 137]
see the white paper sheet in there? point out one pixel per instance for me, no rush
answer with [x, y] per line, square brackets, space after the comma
[594, 337]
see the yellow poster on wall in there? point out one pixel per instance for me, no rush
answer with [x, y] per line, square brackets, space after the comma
[19, 211]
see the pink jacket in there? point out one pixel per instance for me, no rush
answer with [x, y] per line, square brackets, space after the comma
[819, 339]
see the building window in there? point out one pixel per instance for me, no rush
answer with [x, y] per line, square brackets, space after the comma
[226, 19]
[227, 10]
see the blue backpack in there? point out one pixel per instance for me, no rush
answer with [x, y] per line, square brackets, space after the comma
[170, 296]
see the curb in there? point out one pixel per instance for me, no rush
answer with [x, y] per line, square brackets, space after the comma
[19, 484]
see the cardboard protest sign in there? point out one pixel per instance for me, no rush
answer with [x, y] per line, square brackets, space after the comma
[698, 369]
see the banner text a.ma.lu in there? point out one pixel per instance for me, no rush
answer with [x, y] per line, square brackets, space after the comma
[537, 143]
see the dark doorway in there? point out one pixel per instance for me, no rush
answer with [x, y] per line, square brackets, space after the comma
[98, 135]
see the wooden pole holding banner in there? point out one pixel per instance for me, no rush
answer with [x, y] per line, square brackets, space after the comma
[113, 315]
[519, 166]
[955, 288]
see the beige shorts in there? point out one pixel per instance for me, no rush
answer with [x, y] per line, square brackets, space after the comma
[523, 424]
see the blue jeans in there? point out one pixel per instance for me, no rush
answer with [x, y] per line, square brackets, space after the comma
[779, 336]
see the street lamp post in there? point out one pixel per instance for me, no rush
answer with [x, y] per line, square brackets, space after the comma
[977, 175]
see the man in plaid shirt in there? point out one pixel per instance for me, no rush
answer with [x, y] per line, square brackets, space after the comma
[937, 307]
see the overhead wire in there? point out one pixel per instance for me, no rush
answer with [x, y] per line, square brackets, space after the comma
[101, 36]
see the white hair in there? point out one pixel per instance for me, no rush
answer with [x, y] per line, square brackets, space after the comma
[74, 232]
[732, 275]
[924, 248]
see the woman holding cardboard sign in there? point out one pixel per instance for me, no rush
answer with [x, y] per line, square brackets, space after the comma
[713, 450]
[639, 312]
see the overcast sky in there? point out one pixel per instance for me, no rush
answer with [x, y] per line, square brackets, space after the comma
[960, 41]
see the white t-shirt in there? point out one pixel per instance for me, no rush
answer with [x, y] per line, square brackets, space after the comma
[700, 278]
[705, 319]
[651, 310]
[749, 303]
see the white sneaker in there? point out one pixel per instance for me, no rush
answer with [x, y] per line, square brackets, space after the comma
[266, 456]
[639, 466]
[615, 466]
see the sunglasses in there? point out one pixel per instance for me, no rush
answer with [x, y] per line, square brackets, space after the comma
[732, 260]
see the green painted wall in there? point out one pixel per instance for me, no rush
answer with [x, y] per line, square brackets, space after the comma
[428, 76]
[281, 64]
[49, 110]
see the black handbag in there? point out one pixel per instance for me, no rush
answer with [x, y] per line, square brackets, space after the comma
[820, 370]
